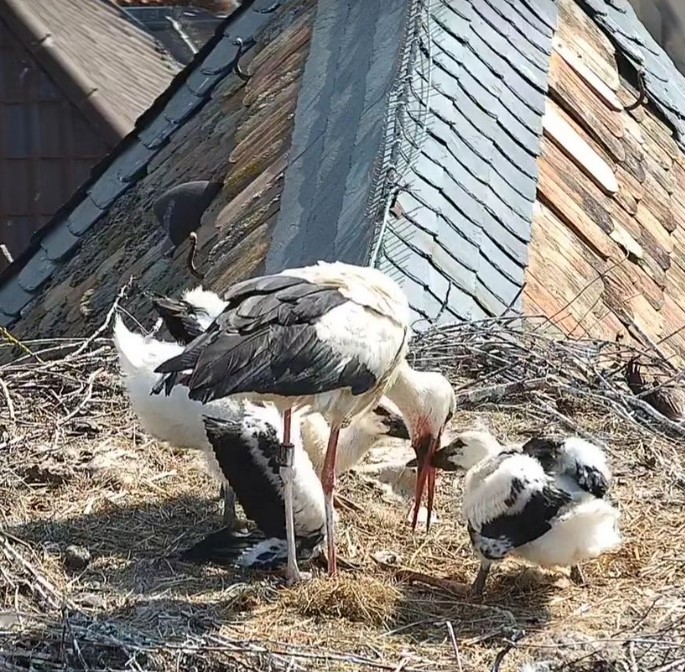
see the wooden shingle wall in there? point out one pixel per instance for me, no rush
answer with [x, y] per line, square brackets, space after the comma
[608, 245]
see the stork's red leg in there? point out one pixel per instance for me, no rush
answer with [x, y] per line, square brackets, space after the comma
[328, 484]
[431, 494]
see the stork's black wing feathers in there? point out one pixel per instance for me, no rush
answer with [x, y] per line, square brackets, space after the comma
[265, 342]
[503, 534]
[180, 317]
[262, 501]
[545, 450]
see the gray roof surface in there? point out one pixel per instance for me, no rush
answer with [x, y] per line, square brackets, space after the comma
[22, 281]
[417, 131]
[340, 124]
[456, 237]
[665, 84]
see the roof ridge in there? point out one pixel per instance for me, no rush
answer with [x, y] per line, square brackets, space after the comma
[38, 38]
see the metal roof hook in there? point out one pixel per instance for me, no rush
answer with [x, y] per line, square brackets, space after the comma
[236, 66]
[642, 89]
[191, 257]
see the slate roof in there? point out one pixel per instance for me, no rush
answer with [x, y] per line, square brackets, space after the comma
[339, 143]
[459, 162]
[664, 83]
[107, 65]
[182, 30]
[456, 237]
[52, 246]
[417, 133]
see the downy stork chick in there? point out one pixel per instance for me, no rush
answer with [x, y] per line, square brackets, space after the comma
[247, 453]
[189, 316]
[178, 420]
[332, 337]
[368, 431]
[185, 319]
[513, 507]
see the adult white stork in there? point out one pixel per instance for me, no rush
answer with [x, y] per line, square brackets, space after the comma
[332, 337]
[178, 420]
[542, 501]
[247, 453]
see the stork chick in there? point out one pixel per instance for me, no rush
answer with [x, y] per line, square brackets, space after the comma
[370, 429]
[514, 506]
[247, 453]
[178, 419]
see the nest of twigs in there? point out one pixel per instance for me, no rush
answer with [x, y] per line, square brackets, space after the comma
[94, 512]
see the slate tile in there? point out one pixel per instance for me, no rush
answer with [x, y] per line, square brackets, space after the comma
[531, 30]
[157, 133]
[59, 242]
[36, 272]
[534, 19]
[221, 59]
[6, 320]
[83, 216]
[529, 55]
[182, 105]
[107, 189]
[13, 297]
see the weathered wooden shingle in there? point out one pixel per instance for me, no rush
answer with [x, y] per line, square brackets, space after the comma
[457, 236]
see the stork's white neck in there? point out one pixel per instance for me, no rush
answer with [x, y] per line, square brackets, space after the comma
[354, 441]
[423, 397]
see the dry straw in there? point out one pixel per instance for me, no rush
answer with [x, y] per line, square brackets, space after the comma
[76, 470]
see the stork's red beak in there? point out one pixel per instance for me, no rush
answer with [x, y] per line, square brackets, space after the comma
[425, 448]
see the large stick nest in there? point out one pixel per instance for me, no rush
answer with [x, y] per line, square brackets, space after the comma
[94, 512]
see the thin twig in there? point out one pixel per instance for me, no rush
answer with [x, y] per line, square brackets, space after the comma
[108, 318]
[8, 399]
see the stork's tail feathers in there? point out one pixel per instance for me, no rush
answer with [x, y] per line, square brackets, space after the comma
[249, 550]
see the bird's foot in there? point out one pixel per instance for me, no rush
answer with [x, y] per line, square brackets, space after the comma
[448, 585]
[294, 575]
[322, 561]
[577, 576]
[235, 524]
[478, 585]
[341, 502]
[422, 516]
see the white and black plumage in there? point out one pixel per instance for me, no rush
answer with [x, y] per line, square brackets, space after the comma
[534, 503]
[178, 420]
[247, 453]
[575, 463]
[332, 337]
[188, 317]
[353, 451]
[185, 319]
